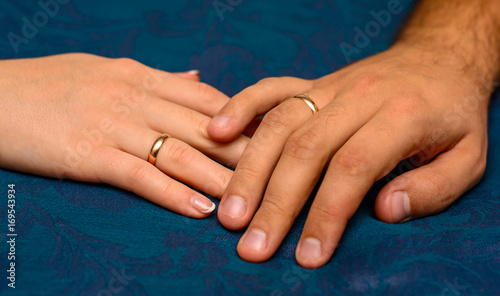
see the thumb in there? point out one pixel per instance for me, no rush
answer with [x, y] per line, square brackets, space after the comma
[431, 188]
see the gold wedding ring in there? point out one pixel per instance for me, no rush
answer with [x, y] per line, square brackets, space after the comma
[156, 148]
[308, 101]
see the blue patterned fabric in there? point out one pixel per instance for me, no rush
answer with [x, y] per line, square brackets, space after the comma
[91, 239]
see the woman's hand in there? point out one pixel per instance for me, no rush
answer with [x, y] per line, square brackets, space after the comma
[95, 119]
[373, 114]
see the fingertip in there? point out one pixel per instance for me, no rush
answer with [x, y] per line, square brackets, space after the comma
[382, 207]
[191, 75]
[194, 73]
[195, 215]
[202, 204]
[230, 121]
[249, 255]
[311, 254]
[393, 206]
[310, 263]
[229, 222]
[197, 206]
[232, 213]
[400, 206]
[254, 246]
[220, 129]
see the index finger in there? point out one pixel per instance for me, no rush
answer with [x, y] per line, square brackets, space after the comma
[255, 100]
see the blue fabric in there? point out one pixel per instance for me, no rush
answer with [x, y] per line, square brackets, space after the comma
[92, 239]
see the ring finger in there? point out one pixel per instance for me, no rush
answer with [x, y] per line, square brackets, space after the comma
[126, 171]
[178, 160]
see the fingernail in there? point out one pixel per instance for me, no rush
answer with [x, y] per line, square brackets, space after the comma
[221, 121]
[234, 206]
[193, 72]
[400, 206]
[310, 248]
[202, 204]
[255, 239]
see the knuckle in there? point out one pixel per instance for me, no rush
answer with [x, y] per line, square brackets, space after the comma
[383, 127]
[439, 184]
[278, 119]
[201, 125]
[232, 156]
[304, 145]
[205, 92]
[352, 162]
[126, 92]
[166, 190]
[367, 83]
[111, 87]
[224, 179]
[407, 106]
[128, 66]
[119, 93]
[478, 161]
[330, 213]
[238, 150]
[269, 82]
[219, 183]
[137, 175]
[178, 153]
[273, 208]
[332, 112]
[330, 117]
[480, 169]
[126, 63]
[247, 170]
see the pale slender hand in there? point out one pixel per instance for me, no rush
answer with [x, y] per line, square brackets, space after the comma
[94, 119]
[419, 99]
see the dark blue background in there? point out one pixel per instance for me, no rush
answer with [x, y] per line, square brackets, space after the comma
[76, 238]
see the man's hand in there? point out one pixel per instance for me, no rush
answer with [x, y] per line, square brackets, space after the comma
[419, 99]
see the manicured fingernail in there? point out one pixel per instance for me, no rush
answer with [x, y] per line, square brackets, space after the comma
[400, 206]
[193, 72]
[234, 206]
[221, 121]
[255, 239]
[310, 248]
[202, 204]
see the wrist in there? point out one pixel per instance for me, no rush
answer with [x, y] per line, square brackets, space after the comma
[472, 69]
[462, 36]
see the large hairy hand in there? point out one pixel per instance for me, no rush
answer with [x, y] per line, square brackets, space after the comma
[403, 103]
[95, 119]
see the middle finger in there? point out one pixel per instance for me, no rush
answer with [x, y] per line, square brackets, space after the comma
[191, 127]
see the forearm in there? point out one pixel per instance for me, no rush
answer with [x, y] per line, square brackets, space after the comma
[464, 34]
